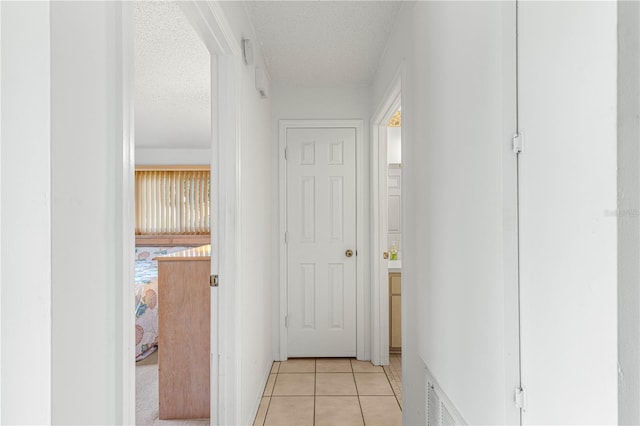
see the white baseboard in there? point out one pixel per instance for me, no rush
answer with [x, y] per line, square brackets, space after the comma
[258, 400]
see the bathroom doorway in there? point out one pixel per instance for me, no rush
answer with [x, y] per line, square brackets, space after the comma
[387, 224]
[393, 254]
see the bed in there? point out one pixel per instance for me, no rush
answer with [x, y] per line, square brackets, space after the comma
[146, 304]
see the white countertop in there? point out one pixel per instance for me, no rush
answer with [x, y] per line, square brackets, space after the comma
[395, 265]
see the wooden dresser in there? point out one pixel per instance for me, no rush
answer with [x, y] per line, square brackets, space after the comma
[184, 333]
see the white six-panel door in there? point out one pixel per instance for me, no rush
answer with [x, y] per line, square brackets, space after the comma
[321, 228]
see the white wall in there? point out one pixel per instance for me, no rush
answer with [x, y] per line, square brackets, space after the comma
[628, 212]
[453, 173]
[456, 165]
[87, 228]
[452, 156]
[1, 214]
[256, 236]
[62, 152]
[26, 213]
[300, 102]
[398, 57]
[172, 156]
[313, 103]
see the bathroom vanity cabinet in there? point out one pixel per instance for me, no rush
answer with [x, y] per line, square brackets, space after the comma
[395, 322]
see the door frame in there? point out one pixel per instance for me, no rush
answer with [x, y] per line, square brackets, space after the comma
[379, 220]
[128, 218]
[362, 220]
[510, 211]
[211, 25]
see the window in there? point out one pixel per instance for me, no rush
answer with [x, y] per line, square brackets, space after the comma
[173, 200]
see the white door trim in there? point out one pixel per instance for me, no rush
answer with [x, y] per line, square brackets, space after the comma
[212, 27]
[379, 221]
[362, 320]
[128, 219]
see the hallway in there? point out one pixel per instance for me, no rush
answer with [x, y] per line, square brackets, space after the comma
[332, 392]
[520, 216]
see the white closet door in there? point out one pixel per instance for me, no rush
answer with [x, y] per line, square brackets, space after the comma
[321, 215]
[567, 113]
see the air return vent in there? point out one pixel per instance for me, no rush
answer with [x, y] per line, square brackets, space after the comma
[447, 418]
[433, 406]
[440, 411]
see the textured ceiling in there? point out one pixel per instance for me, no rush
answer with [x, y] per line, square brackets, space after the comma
[172, 79]
[322, 43]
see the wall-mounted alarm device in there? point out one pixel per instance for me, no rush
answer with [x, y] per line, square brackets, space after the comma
[247, 51]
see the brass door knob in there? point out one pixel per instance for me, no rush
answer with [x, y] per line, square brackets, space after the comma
[348, 253]
[385, 255]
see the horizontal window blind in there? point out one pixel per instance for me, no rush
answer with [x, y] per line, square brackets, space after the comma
[172, 201]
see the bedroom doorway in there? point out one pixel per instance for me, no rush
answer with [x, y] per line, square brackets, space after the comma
[174, 197]
[216, 193]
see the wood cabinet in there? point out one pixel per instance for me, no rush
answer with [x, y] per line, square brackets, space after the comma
[184, 306]
[395, 309]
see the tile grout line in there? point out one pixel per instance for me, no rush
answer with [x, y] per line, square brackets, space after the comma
[266, 413]
[398, 361]
[315, 381]
[315, 394]
[391, 386]
[335, 372]
[353, 373]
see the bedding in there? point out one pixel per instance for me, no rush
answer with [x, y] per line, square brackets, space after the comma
[146, 290]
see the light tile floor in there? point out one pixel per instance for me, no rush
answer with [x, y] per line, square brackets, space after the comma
[329, 391]
[394, 373]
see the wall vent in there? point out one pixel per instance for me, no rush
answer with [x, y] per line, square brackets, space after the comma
[447, 418]
[439, 409]
[433, 407]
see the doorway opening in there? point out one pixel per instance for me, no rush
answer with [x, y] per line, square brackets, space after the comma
[394, 230]
[211, 29]
[386, 258]
[173, 215]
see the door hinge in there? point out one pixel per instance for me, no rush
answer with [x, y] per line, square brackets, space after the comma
[285, 153]
[213, 281]
[517, 143]
[286, 237]
[521, 399]
[286, 321]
